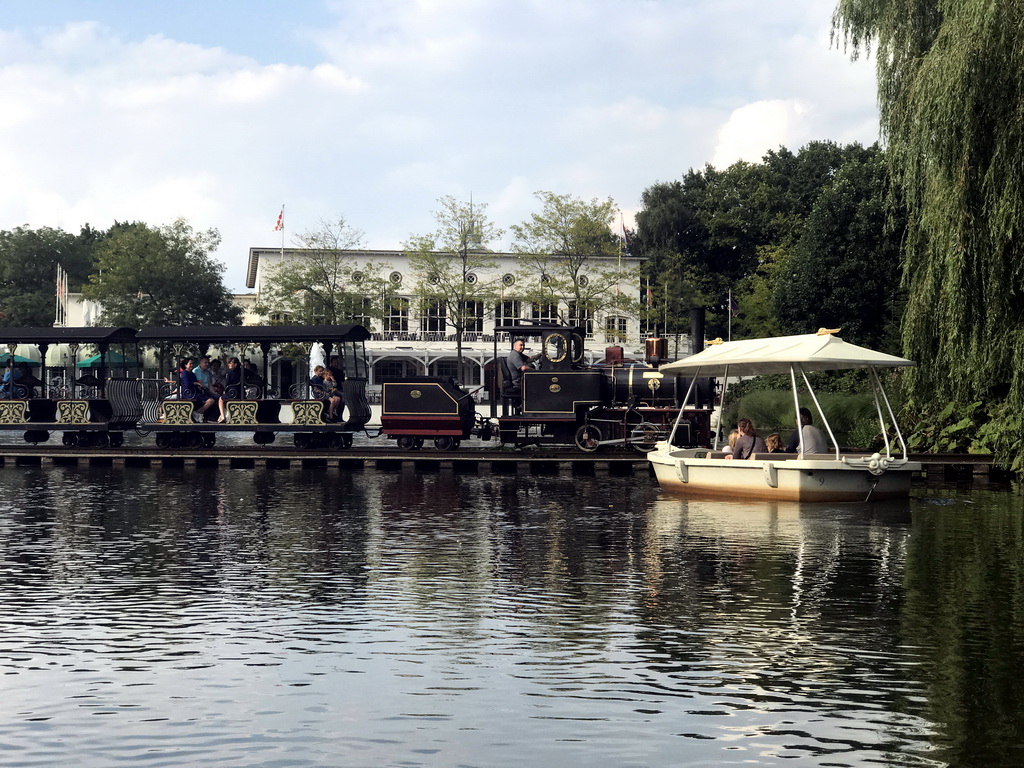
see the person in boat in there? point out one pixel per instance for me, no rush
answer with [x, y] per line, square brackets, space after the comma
[773, 443]
[748, 443]
[814, 438]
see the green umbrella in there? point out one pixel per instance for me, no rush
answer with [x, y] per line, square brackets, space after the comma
[6, 357]
[114, 360]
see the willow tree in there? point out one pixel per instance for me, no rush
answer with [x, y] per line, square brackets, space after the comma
[951, 97]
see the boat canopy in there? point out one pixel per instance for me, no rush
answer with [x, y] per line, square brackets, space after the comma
[810, 352]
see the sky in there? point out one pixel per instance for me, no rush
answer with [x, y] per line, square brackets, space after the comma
[222, 112]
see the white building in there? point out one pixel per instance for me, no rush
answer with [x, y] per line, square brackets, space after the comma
[408, 342]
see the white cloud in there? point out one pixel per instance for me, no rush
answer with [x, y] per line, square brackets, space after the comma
[405, 102]
[755, 128]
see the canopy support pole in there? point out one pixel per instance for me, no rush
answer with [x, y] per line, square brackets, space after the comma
[682, 407]
[876, 382]
[721, 408]
[810, 390]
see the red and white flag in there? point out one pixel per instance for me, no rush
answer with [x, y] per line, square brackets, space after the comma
[280, 221]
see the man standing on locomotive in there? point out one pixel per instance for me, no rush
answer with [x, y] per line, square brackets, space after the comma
[516, 363]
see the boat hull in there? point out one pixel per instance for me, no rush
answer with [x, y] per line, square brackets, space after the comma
[789, 479]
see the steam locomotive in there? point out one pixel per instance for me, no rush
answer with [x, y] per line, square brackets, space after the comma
[562, 400]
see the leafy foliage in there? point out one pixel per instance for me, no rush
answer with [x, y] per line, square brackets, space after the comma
[738, 230]
[454, 268]
[570, 258]
[156, 276]
[950, 94]
[327, 285]
[845, 269]
[28, 271]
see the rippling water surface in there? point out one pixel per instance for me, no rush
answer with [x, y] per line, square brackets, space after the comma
[291, 618]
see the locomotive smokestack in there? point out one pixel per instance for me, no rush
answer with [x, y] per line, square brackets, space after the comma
[697, 330]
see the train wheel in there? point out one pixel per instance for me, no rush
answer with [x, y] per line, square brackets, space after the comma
[209, 440]
[643, 437]
[346, 441]
[100, 440]
[302, 441]
[407, 443]
[70, 439]
[445, 443]
[588, 438]
[164, 440]
[193, 440]
[36, 436]
[116, 439]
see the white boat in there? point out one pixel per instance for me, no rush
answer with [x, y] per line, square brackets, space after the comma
[836, 476]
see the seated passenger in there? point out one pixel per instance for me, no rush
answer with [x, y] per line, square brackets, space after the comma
[747, 443]
[338, 372]
[232, 387]
[773, 443]
[326, 388]
[814, 438]
[12, 375]
[216, 377]
[203, 374]
[192, 390]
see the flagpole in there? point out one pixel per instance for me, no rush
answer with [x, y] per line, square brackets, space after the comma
[282, 231]
[730, 314]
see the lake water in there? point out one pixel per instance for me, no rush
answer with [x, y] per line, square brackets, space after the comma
[296, 618]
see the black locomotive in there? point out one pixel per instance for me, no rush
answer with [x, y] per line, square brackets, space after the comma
[562, 400]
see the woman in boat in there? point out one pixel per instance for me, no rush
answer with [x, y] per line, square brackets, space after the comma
[773, 443]
[748, 442]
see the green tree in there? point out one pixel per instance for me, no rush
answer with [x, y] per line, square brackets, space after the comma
[571, 259]
[28, 271]
[845, 270]
[326, 283]
[453, 269]
[157, 276]
[719, 231]
[950, 90]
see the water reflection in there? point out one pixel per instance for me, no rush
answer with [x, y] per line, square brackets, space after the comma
[307, 618]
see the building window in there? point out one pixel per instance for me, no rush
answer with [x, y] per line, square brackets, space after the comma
[358, 310]
[506, 312]
[447, 368]
[615, 328]
[474, 315]
[397, 319]
[582, 319]
[545, 313]
[433, 319]
[389, 368]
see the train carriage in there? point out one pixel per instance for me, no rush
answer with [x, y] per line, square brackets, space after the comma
[87, 408]
[257, 407]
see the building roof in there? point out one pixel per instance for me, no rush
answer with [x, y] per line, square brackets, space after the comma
[67, 335]
[255, 334]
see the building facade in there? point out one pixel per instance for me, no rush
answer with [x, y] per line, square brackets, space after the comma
[415, 338]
